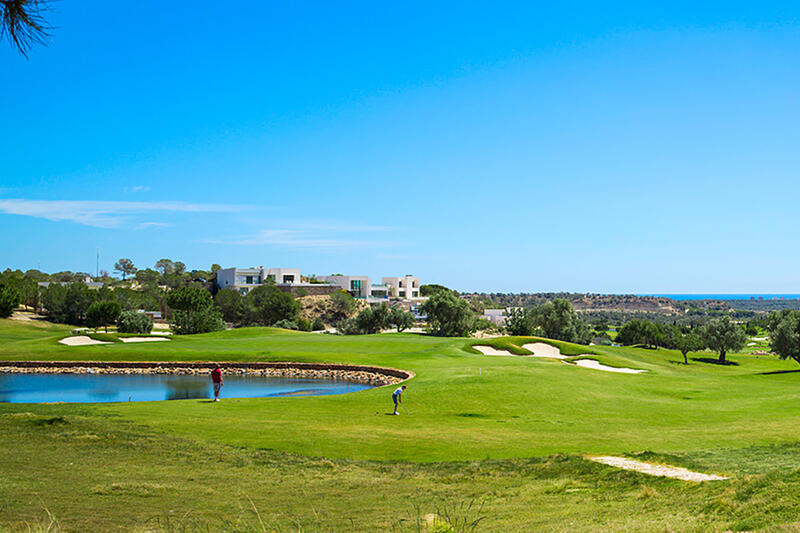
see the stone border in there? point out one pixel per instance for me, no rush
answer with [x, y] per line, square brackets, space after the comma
[368, 375]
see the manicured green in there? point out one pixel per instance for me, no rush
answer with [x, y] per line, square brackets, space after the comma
[481, 427]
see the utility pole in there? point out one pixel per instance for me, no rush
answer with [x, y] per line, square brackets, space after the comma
[97, 264]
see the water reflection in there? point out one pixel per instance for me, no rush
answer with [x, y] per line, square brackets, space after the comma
[35, 388]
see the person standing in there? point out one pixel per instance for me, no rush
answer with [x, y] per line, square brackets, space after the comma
[397, 396]
[216, 379]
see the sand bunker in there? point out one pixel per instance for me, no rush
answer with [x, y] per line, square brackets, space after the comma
[541, 349]
[142, 339]
[491, 350]
[656, 470]
[595, 365]
[81, 340]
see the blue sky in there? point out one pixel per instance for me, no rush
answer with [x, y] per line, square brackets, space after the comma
[493, 147]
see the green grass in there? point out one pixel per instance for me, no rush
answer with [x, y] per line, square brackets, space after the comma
[506, 431]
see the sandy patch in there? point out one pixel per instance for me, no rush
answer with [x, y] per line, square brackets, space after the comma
[760, 338]
[751, 343]
[596, 365]
[142, 339]
[542, 349]
[491, 350]
[81, 340]
[656, 470]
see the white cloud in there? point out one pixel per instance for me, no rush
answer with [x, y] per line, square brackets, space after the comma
[145, 225]
[101, 214]
[137, 188]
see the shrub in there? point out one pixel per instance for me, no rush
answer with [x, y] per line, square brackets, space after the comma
[303, 324]
[285, 324]
[317, 325]
[133, 322]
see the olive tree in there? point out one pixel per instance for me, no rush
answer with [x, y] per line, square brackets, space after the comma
[722, 335]
[691, 342]
[785, 336]
[401, 319]
[449, 315]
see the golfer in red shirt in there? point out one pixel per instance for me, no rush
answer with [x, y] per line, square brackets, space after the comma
[216, 379]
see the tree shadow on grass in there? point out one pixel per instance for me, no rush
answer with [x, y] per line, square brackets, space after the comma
[778, 372]
[714, 361]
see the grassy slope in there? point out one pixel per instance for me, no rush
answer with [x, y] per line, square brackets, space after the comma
[464, 407]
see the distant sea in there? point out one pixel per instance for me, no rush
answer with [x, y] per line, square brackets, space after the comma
[727, 296]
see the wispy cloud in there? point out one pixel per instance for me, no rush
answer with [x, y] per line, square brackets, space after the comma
[145, 225]
[137, 188]
[102, 214]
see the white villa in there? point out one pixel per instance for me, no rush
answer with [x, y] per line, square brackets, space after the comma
[406, 287]
[245, 279]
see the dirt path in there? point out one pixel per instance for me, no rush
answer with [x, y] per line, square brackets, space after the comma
[655, 470]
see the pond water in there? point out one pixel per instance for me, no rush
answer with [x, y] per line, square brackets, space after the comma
[83, 388]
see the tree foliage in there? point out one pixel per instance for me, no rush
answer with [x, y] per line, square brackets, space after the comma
[269, 304]
[194, 311]
[785, 335]
[102, 313]
[126, 267]
[133, 322]
[373, 319]
[9, 300]
[401, 319]
[722, 336]
[68, 303]
[448, 315]
[690, 342]
[23, 24]
[520, 321]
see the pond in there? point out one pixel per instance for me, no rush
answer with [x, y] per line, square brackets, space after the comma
[90, 388]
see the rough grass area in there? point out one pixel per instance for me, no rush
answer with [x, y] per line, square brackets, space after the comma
[94, 473]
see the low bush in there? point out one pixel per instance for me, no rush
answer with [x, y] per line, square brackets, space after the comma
[133, 322]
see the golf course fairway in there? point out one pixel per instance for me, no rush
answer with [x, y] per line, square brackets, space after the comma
[493, 441]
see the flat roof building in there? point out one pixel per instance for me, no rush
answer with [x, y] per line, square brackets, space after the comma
[245, 279]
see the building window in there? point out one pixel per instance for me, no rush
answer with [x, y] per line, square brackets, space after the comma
[288, 278]
[402, 294]
[248, 280]
[355, 286]
[400, 284]
[416, 294]
[272, 277]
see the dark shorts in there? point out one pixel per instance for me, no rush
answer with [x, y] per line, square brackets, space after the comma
[395, 400]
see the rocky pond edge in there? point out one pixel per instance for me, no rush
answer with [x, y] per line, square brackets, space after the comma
[375, 376]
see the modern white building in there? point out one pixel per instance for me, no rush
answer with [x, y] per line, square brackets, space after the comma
[245, 279]
[406, 287]
[358, 286]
